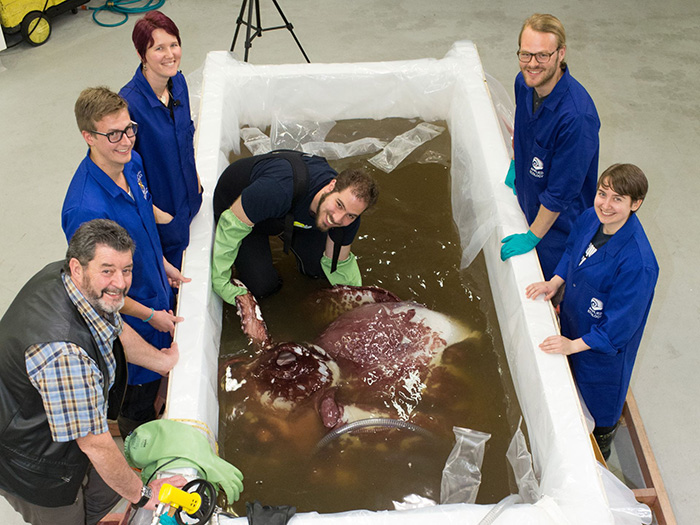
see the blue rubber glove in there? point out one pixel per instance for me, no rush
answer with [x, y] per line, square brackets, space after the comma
[517, 244]
[510, 177]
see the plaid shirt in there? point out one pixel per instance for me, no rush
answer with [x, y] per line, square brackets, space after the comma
[69, 381]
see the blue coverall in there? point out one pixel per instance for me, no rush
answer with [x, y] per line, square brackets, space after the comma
[93, 195]
[556, 159]
[606, 302]
[165, 143]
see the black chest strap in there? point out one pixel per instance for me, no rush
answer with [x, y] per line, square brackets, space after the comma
[336, 254]
[301, 183]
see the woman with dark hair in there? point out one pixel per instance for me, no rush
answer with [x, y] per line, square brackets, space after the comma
[159, 103]
[610, 273]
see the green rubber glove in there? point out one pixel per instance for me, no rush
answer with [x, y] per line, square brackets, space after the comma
[517, 244]
[164, 441]
[347, 271]
[230, 232]
[510, 177]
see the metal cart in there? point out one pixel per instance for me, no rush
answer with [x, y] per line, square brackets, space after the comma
[33, 17]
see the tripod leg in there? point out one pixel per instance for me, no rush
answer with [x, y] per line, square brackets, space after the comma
[248, 39]
[290, 27]
[239, 21]
[259, 27]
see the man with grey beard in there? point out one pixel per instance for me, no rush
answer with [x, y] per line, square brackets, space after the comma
[64, 347]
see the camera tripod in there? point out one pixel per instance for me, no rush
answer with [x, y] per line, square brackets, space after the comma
[254, 6]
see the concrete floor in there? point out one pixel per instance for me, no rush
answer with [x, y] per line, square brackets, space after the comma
[635, 58]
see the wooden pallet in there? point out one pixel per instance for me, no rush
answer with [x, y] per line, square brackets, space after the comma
[654, 494]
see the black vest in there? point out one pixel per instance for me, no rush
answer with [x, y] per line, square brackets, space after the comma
[32, 465]
[300, 175]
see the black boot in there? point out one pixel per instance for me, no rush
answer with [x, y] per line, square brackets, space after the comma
[604, 437]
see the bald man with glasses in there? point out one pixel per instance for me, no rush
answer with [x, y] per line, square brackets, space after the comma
[555, 144]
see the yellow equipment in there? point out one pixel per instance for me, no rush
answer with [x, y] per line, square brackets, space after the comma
[179, 499]
[33, 17]
[194, 504]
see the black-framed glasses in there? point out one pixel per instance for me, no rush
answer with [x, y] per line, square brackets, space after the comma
[541, 57]
[116, 136]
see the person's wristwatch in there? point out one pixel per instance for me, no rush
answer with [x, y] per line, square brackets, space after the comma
[146, 494]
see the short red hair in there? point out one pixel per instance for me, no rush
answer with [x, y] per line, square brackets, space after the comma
[142, 36]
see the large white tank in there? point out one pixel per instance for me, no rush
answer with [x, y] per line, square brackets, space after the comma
[453, 89]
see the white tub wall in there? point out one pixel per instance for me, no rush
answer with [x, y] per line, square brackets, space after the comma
[545, 512]
[192, 386]
[452, 89]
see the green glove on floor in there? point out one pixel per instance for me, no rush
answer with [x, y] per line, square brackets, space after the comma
[517, 244]
[230, 232]
[347, 271]
[510, 177]
[178, 444]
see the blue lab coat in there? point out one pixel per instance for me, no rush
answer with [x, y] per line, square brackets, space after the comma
[556, 159]
[93, 195]
[165, 143]
[606, 302]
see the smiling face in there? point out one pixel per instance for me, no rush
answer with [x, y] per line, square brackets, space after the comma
[542, 77]
[105, 280]
[337, 208]
[162, 59]
[613, 209]
[110, 156]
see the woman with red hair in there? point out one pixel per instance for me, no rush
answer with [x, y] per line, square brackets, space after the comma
[159, 103]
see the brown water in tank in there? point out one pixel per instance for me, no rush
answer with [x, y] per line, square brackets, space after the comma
[409, 245]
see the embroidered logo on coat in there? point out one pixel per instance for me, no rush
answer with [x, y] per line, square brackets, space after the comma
[139, 180]
[596, 308]
[537, 168]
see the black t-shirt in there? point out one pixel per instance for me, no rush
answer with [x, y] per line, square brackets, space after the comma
[537, 100]
[269, 195]
[599, 239]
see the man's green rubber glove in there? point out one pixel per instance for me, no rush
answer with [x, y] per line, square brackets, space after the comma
[510, 177]
[517, 244]
[347, 271]
[230, 232]
[164, 441]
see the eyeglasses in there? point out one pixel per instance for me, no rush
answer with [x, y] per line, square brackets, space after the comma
[541, 57]
[116, 136]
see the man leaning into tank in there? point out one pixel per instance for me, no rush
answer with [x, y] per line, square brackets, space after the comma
[64, 350]
[298, 196]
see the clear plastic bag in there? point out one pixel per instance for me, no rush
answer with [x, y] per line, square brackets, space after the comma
[256, 141]
[402, 145]
[293, 134]
[461, 476]
[339, 150]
